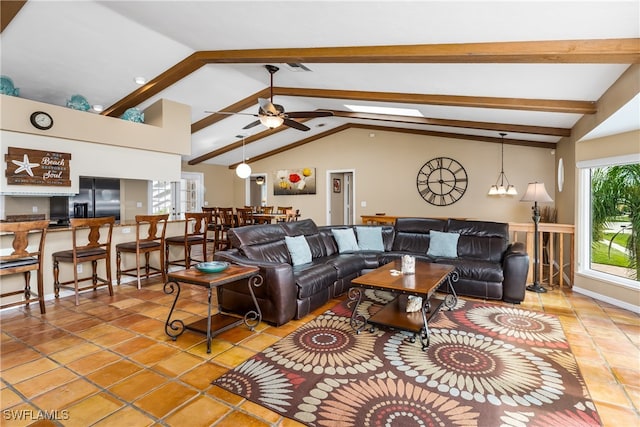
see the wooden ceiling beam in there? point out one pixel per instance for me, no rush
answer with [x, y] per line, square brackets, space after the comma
[8, 10]
[508, 141]
[594, 51]
[547, 105]
[501, 127]
[295, 144]
[243, 104]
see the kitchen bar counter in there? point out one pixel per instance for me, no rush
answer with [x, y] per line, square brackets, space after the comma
[59, 238]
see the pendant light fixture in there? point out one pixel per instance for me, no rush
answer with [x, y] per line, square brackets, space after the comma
[499, 188]
[243, 170]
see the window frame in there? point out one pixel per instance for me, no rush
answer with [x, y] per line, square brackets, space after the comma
[584, 217]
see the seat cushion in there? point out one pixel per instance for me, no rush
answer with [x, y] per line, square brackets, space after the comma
[346, 264]
[131, 246]
[67, 256]
[20, 262]
[180, 239]
[312, 278]
[474, 269]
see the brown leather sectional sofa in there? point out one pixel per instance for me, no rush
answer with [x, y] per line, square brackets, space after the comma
[487, 264]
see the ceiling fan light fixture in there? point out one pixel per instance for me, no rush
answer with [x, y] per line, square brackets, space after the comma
[271, 122]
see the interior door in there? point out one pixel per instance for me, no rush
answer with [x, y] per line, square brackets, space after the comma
[341, 196]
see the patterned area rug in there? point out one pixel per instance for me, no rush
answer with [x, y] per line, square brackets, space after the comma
[486, 365]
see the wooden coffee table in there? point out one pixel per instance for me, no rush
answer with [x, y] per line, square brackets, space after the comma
[426, 280]
[219, 322]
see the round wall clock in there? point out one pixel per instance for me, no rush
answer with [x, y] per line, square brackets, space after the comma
[41, 120]
[442, 181]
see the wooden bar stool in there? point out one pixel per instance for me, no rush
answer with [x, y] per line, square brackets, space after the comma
[156, 226]
[24, 260]
[195, 233]
[97, 248]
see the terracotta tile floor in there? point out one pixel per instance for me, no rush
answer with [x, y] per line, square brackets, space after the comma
[108, 362]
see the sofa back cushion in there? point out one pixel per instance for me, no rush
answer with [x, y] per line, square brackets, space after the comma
[480, 239]
[331, 247]
[261, 243]
[412, 234]
[309, 229]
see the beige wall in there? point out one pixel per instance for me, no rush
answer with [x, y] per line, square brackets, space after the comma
[573, 150]
[385, 170]
[219, 184]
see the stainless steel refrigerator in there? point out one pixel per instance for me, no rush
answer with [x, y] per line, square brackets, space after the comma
[98, 197]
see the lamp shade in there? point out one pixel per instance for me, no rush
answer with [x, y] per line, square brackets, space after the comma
[536, 193]
[243, 170]
[271, 122]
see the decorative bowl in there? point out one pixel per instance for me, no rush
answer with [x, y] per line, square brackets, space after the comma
[133, 115]
[212, 266]
[78, 102]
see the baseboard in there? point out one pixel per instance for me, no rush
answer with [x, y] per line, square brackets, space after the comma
[607, 299]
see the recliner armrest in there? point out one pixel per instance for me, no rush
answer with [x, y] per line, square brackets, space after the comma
[515, 266]
[279, 286]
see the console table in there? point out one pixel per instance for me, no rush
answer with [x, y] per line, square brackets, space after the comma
[219, 322]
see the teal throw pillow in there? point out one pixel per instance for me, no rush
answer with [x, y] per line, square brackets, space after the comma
[370, 238]
[443, 244]
[345, 239]
[298, 249]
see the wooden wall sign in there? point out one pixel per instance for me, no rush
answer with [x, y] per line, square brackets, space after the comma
[35, 167]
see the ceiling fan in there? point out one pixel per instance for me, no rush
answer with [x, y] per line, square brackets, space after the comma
[273, 115]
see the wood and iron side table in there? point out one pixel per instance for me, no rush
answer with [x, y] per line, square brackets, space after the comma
[219, 322]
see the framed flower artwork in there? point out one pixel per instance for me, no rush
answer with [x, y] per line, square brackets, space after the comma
[294, 181]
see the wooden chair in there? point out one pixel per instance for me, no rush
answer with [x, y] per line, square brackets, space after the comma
[213, 226]
[244, 216]
[24, 260]
[227, 220]
[195, 233]
[97, 248]
[291, 215]
[283, 209]
[268, 210]
[156, 226]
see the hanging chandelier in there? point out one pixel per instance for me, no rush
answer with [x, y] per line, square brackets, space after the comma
[499, 188]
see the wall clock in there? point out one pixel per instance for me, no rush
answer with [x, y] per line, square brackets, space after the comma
[442, 181]
[41, 120]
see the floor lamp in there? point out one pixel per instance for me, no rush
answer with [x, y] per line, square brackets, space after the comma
[536, 193]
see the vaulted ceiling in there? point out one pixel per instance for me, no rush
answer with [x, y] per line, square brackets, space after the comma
[471, 69]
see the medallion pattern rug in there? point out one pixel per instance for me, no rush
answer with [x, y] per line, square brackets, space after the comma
[486, 365]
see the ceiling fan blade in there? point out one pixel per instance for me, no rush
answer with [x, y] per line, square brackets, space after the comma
[252, 124]
[308, 114]
[296, 125]
[267, 106]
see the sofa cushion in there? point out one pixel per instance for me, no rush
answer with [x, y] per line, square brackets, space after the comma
[347, 264]
[412, 234]
[313, 277]
[443, 244]
[480, 239]
[260, 243]
[486, 271]
[298, 249]
[370, 238]
[346, 239]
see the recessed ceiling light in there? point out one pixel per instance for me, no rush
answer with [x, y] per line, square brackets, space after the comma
[140, 80]
[385, 110]
[98, 108]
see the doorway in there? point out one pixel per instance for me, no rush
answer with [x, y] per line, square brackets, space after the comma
[340, 197]
[256, 190]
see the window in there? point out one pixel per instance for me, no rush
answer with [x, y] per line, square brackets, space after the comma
[179, 197]
[609, 219]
